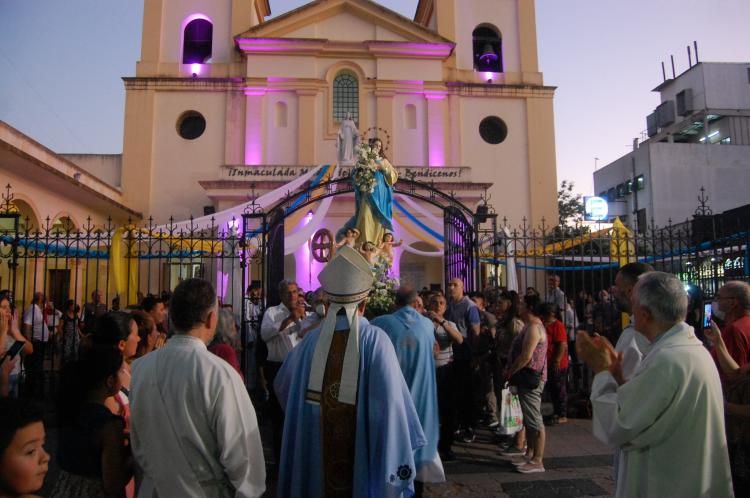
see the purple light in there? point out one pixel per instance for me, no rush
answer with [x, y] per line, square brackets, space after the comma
[254, 126]
[222, 281]
[195, 69]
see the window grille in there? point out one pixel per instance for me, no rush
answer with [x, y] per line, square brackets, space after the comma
[345, 97]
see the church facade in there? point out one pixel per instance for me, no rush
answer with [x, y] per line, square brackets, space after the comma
[225, 104]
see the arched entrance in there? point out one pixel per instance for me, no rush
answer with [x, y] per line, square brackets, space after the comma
[264, 231]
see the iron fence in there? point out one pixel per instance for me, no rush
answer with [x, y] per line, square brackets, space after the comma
[130, 260]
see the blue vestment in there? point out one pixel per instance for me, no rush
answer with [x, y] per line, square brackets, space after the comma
[388, 429]
[413, 336]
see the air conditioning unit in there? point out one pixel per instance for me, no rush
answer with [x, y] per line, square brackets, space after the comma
[651, 126]
[684, 101]
[665, 114]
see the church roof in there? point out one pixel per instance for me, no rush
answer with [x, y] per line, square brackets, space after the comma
[311, 12]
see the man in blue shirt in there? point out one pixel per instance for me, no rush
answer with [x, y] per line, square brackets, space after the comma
[464, 313]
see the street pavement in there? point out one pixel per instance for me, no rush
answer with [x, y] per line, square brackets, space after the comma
[576, 465]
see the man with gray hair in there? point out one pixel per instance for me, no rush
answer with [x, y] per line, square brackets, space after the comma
[668, 419]
[733, 306]
[279, 330]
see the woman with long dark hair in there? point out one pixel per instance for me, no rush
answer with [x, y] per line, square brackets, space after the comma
[92, 454]
[117, 330]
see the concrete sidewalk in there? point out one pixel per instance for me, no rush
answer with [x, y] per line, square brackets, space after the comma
[576, 465]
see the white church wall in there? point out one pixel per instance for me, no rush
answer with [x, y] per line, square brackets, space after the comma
[410, 143]
[278, 66]
[181, 164]
[282, 129]
[409, 69]
[326, 147]
[505, 164]
[384, 34]
[345, 27]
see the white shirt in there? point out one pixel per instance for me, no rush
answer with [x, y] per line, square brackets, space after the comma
[53, 319]
[633, 346]
[668, 421]
[557, 297]
[35, 318]
[279, 342]
[193, 427]
[252, 313]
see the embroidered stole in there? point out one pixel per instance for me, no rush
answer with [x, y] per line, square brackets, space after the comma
[338, 424]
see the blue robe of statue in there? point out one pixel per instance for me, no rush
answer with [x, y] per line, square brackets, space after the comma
[387, 433]
[374, 210]
[413, 336]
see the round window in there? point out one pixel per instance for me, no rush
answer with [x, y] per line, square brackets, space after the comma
[191, 125]
[493, 130]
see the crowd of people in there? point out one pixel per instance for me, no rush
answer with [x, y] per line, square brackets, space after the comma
[152, 401]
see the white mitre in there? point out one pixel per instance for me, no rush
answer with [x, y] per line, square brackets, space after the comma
[347, 279]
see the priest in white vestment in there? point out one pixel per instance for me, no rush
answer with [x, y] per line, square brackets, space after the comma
[631, 343]
[668, 419]
[193, 428]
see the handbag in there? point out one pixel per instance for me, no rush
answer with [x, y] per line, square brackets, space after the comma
[526, 379]
[511, 416]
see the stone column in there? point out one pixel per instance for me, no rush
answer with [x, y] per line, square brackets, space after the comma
[384, 118]
[255, 126]
[307, 131]
[234, 140]
[437, 136]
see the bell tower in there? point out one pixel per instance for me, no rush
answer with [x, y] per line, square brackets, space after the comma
[496, 50]
[493, 37]
[186, 91]
[177, 34]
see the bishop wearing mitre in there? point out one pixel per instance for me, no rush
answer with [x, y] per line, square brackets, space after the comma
[350, 428]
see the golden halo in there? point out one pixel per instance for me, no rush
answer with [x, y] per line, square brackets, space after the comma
[379, 133]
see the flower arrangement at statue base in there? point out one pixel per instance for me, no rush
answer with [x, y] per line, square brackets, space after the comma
[382, 297]
[363, 174]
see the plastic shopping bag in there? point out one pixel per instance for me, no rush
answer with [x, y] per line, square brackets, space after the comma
[511, 417]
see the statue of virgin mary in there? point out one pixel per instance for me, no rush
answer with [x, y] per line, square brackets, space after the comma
[374, 210]
[347, 141]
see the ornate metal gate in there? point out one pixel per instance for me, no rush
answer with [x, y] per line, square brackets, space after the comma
[459, 248]
[275, 256]
[266, 229]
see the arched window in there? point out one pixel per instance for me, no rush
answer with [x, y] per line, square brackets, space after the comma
[196, 45]
[280, 115]
[488, 53]
[410, 117]
[345, 97]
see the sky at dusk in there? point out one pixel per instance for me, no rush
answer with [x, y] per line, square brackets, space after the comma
[61, 63]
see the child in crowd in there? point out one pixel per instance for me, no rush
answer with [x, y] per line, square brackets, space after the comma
[23, 461]
[92, 452]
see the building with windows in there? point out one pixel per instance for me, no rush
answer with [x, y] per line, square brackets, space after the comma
[218, 88]
[226, 105]
[698, 137]
[223, 100]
